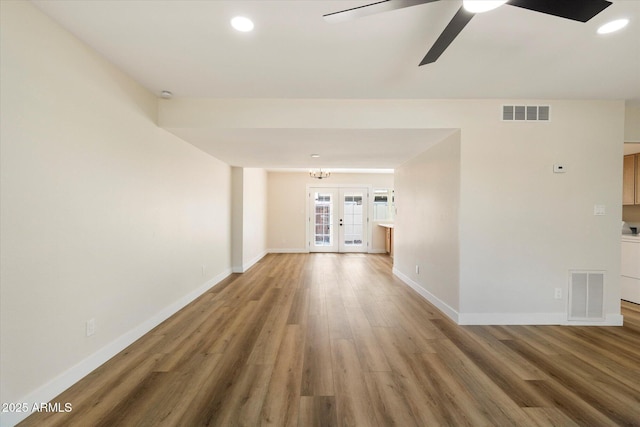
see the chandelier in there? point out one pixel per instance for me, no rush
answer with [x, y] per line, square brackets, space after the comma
[319, 174]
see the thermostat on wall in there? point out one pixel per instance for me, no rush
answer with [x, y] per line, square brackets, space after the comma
[557, 168]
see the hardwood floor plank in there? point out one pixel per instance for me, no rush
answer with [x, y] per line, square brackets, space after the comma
[548, 417]
[198, 340]
[448, 392]
[281, 404]
[617, 366]
[245, 402]
[317, 371]
[374, 310]
[317, 411]
[500, 372]
[389, 404]
[396, 346]
[339, 327]
[515, 363]
[151, 405]
[299, 307]
[371, 354]
[596, 406]
[499, 406]
[353, 405]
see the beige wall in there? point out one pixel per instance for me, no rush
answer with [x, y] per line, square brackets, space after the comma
[523, 227]
[288, 202]
[248, 217]
[427, 223]
[103, 214]
[254, 216]
[632, 122]
[237, 219]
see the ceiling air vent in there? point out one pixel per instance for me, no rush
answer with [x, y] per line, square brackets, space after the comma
[529, 113]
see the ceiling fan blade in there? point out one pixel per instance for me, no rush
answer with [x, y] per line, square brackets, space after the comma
[371, 9]
[451, 31]
[577, 10]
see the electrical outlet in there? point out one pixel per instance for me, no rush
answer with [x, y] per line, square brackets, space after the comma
[417, 269]
[91, 327]
[558, 293]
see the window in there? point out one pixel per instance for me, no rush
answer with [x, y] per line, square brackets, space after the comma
[383, 205]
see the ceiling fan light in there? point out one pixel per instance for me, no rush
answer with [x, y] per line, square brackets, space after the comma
[613, 26]
[479, 6]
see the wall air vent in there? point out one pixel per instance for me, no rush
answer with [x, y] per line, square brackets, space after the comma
[586, 295]
[528, 113]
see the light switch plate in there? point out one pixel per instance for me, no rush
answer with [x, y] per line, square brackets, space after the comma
[599, 210]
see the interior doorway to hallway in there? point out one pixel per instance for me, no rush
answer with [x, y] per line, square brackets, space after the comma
[338, 219]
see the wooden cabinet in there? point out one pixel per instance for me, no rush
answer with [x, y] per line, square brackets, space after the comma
[389, 241]
[631, 180]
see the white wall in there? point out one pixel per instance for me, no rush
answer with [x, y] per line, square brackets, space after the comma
[103, 214]
[248, 217]
[237, 219]
[632, 122]
[286, 220]
[254, 216]
[427, 223]
[523, 227]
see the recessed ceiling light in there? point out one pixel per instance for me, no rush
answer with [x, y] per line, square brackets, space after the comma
[241, 23]
[165, 94]
[479, 6]
[315, 156]
[612, 26]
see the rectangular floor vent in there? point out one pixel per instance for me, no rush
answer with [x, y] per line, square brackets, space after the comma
[586, 295]
[530, 113]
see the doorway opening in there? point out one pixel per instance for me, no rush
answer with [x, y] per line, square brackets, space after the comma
[338, 219]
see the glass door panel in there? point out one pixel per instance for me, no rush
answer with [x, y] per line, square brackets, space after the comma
[338, 220]
[353, 220]
[322, 219]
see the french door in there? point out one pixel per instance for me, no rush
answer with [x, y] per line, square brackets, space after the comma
[338, 219]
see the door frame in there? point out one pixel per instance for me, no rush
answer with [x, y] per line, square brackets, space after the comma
[369, 223]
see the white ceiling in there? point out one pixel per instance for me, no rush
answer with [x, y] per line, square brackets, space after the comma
[189, 48]
[338, 148]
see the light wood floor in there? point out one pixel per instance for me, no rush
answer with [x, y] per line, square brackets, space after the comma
[331, 339]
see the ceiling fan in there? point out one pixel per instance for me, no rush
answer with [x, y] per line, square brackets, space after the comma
[577, 10]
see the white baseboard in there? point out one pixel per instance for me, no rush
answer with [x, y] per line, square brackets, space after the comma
[533, 319]
[512, 318]
[609, 320]
[74, 374]
[249, 264]
[441, 305]
[287, 251]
